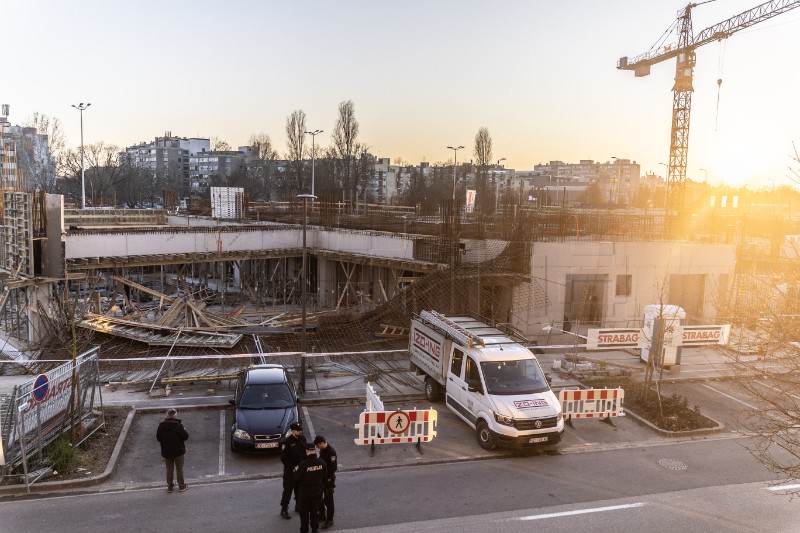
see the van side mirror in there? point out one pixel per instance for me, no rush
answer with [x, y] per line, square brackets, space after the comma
[474, 385]
[549, 379]
[232, 402]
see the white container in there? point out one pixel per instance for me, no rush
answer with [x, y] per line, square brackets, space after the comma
[671, 315]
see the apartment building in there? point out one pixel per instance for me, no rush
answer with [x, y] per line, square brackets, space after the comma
[167, 158]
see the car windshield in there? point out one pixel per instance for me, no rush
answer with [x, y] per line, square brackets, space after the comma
[269, 396]
[514, 377]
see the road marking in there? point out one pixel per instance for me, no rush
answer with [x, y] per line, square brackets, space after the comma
[309, 424]
[222, 442]
[785, 487]
[581, 511]
[729, 396]
[777, 390]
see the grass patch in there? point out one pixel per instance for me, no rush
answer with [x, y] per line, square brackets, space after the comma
[62, 454]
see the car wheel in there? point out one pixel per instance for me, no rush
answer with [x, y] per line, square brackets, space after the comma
[486, 437]
[431, 390]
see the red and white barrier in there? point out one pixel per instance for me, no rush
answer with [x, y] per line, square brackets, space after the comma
[591, 403]
[399, 427]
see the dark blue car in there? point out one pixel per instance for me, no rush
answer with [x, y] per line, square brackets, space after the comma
[266, 404]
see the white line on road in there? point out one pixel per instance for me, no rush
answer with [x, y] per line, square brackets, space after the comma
[777, 390]
[785, 487]
[581, 511]
[310, 431]
[729, 396]
[222, 442]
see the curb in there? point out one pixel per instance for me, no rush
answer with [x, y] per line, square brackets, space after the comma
[68, 484]
[71, 484]
[678, 434]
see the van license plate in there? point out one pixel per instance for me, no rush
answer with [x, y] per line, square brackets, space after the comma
[269, 444]
[537, 439]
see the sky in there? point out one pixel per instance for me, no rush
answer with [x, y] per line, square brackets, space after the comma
[422, 74]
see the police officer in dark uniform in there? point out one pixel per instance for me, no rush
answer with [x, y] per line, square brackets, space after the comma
[309, 475]
[327, 454]
[293, 453]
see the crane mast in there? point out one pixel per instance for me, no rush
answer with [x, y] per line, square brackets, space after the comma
[684, 52]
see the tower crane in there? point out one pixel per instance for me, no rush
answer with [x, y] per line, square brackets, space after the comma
[684, 52]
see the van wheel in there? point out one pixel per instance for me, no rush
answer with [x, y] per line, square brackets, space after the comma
[486, 437]
[431, 390]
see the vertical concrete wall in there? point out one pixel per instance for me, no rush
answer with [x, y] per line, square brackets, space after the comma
[650, 265]
[53, 249]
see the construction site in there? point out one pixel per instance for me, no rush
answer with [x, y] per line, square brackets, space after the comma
[173, 297]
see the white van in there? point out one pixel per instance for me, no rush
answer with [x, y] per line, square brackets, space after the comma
[489, 380]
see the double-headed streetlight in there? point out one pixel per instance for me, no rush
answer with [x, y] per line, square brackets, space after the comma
[82, 107]
[313, 154]
[455, 150]
[304, 277]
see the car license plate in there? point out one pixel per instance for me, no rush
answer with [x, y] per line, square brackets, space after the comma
[537, 439]
[266, 444]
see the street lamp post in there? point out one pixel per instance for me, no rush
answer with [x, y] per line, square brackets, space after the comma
[455, 150]
[304, 276]
[497, 187]
[619, 175]
[82, 107]
[313, 154]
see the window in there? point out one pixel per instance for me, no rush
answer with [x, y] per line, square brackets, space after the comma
[472, 374]
[455, 365]
[624, 284]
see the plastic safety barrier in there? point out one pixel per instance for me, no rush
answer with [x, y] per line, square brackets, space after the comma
[591, 403]
[399, 427]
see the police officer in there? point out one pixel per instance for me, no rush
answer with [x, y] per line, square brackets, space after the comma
[327, 454]
[292, 454]
[309, 475]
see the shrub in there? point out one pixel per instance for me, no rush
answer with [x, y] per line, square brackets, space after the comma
[62, 454]
[673, 413]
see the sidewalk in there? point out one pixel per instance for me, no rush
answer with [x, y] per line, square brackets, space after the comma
[331, 407]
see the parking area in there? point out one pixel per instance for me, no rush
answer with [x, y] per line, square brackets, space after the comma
[209, 456]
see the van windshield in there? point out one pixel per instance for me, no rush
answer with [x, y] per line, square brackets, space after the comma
[267, 396]
[514, 377]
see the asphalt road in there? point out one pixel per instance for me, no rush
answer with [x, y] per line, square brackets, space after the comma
[620, 477]
[720, 489]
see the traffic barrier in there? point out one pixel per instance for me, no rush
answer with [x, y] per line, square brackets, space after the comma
[592, 403]
[374, 403]
[400, 427]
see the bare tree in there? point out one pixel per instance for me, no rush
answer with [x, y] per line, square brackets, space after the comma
[262, 157]
[102, 171]
[42, 167]
[295, 142]
[765, 311]
[483, 158]
[219, 145]
[344, 138]
[795, 172]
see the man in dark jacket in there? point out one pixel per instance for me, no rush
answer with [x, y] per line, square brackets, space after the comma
[308, 476]
[172, 435]
[328, 455]
[294, 451]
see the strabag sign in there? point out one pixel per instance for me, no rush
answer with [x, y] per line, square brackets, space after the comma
[675, 335]
[613, 338]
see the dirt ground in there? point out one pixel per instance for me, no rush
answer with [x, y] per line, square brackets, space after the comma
[94, 454]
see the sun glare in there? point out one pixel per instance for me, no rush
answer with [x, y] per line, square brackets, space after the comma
[736, 162]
